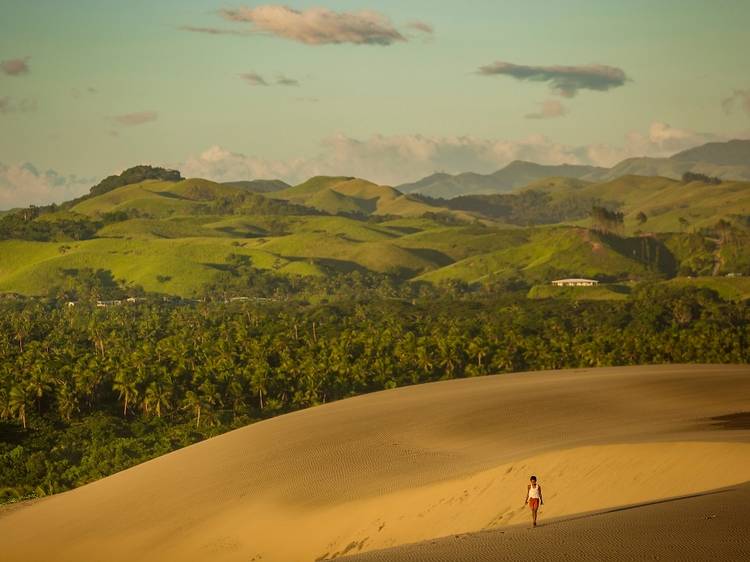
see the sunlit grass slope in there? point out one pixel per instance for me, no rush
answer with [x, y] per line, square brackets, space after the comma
[174, 266]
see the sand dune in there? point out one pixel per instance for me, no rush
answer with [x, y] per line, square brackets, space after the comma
[407, 465]
[708, 526]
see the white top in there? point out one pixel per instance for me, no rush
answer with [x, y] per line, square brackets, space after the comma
[534, 492]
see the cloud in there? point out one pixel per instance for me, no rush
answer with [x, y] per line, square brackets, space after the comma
[563, 80]
[9, 105]
[398, 159]
[214, 30]
[138, 118]
[549, 109]
[23, 184]
[254, 79]
[282, 80]
[739, 99]
[317, 26]
[15, 67]
[219, 164]
[421, 27]
[664, 140]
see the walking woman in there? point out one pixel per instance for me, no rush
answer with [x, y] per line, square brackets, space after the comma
[534, 497]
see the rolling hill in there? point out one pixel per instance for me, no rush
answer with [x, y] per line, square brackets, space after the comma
[354, 195]
[259, 186]
[664, 201]
[178, 236]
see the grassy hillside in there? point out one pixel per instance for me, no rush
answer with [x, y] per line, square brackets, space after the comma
[358, 196]
[178, 236]
[672, 168]
[736, 288]
[664, 201]
[547, 253]
[180, 267]
[259, 186]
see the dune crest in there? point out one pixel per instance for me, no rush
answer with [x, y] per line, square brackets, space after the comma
[401, 466]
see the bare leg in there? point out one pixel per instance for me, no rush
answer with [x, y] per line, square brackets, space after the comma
[533, 514]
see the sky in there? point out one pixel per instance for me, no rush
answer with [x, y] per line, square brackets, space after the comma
[389, 90]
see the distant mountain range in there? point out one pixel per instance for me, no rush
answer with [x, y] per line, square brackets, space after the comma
[725, 160]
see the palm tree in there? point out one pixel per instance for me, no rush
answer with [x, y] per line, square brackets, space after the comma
[18, 401]
[126, 385]
[158, 396]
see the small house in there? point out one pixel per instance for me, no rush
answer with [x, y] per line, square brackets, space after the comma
[575, 282]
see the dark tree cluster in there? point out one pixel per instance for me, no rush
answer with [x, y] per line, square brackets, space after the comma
[688, 177]
[526, 208]
[606, 221]
[133, 175]
[250, 203]
[21, 225]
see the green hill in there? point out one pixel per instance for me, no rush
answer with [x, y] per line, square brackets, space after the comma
[357, 196]
[671, 168]
[182, 236]
[174, 266]
[543, 254]
[663, 201]
[259, 186]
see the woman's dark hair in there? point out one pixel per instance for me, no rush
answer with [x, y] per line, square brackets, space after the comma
[533, 478]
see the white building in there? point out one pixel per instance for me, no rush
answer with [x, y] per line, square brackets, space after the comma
[575, 282]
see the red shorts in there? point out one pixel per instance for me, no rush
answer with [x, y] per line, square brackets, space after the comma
[534, 503]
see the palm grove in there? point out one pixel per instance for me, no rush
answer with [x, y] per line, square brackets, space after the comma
[85, 391]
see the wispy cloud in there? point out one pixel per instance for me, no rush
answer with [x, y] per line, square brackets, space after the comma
[214, 30]
[549, 109]
[316, 26]
[564, 80]
[138, 118]
[10, 105]
[254, 79]
[15, 67]
[739, 99]
[282, 80]
[421, 27]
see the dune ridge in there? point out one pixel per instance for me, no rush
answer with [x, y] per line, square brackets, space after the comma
[406, 465]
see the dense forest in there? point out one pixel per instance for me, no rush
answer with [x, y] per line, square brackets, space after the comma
[87, 391]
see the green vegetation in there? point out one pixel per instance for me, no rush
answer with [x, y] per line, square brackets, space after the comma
[133, 175]
[198, 307]
[86, 391]
[688, 177]
[171, 236]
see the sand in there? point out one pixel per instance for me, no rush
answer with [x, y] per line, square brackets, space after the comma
[708, 526]
[418, 463]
